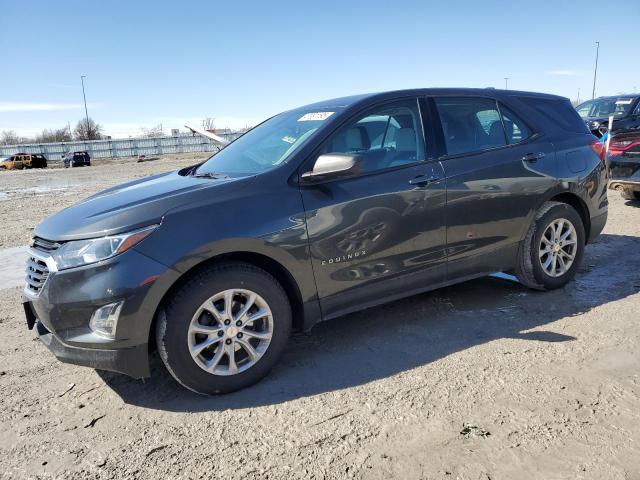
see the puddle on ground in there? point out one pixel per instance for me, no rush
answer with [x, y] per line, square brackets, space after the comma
[12, 263]
[32, 191]
[45, 186]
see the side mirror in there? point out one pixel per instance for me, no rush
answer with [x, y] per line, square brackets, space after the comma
[333, 165]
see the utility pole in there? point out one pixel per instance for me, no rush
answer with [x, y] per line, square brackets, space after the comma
[595, 71]
[86, 113]
[506, 83]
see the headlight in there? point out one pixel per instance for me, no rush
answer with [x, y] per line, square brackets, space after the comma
[83, 252]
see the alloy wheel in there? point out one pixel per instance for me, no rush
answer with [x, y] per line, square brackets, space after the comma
[230, 332]
[558, 247]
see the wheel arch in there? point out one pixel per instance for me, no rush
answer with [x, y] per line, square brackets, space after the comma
[568, 197]
[579, 205]
[266, 263]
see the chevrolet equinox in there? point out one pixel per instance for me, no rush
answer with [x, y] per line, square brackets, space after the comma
[315, 213]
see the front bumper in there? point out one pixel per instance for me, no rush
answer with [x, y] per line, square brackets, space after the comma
[132, 361]
[61, 311]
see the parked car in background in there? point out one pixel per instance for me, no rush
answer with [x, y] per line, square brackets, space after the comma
[76, 159]
[23, 160]
[623, 163]
[11, 163]
[625, 110]
[33, 160]
[317, 212]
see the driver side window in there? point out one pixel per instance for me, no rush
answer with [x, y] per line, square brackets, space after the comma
[385, 137]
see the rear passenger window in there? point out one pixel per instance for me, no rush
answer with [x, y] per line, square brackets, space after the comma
[470, 124]
[515, 128]
[558, 112]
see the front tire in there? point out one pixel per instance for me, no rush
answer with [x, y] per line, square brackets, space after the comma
[553, 249]
[224, 329]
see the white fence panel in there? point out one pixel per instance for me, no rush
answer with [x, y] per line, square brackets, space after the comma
[121, 147]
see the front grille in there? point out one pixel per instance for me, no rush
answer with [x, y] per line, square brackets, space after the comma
[37, 273]
[44, 245]
[37, 270]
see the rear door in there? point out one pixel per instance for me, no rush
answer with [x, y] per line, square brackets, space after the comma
[496, 168]
[379, 234]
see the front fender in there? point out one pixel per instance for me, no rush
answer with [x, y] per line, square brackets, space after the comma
[266, 223]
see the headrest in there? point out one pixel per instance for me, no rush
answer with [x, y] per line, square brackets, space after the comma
[495, 130]
[357, 139]
[406, 140]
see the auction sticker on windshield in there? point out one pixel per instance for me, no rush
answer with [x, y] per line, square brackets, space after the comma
[315, 116]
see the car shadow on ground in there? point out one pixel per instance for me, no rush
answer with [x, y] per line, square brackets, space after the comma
[380, 342]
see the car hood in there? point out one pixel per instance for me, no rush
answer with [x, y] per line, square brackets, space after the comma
[133, 205]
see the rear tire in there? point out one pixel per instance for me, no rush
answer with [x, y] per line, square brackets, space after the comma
[629, 194]
[552, 250]
[215, 308]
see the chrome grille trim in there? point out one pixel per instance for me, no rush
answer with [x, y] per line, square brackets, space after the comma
[44, 245]
[37, 271]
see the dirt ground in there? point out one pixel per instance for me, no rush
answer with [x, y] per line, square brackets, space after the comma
[484, 380]
[28, 196]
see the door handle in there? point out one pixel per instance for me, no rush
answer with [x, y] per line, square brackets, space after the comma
[533, 157]
[422, 180]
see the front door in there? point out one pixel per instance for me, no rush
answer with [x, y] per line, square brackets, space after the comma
[380, 234]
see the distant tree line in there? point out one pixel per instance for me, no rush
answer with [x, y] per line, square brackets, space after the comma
[86, 129]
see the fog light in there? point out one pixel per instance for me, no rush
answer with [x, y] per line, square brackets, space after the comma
[105, 319]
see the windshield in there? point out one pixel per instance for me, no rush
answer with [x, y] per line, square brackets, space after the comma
[268, 145]
[605, 107]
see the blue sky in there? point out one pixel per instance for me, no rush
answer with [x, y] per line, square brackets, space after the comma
[150, 62]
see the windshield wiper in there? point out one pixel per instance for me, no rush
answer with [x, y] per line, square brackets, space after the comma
[214, 175]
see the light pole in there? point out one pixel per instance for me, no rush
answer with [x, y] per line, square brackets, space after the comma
[506, 83]
[595, 71]
[86, 113]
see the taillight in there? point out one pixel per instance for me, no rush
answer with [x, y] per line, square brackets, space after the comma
[623, 145]
[620, 144]
[599, 148]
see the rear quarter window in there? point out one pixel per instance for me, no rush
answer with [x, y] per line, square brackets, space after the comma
[558, 113]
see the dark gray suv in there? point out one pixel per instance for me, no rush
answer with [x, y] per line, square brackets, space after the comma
[315, 213]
